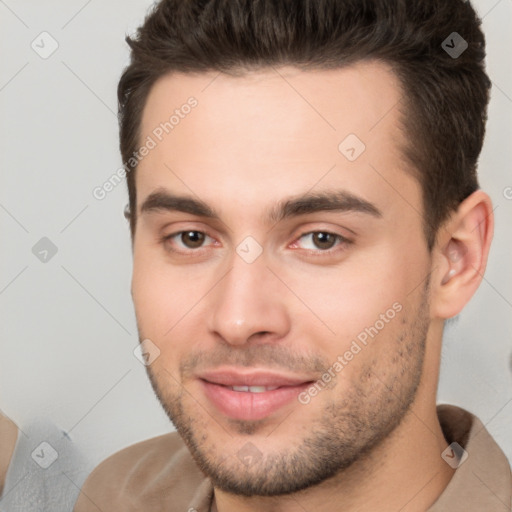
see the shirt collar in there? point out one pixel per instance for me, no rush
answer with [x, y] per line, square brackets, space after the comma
[482, 481]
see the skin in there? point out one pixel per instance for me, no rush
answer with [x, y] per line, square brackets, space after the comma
[8, 437]
[252, 142]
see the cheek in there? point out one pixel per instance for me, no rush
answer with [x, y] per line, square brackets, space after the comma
[166, 301]
[157, 311]
[347, 299]
[158, 295]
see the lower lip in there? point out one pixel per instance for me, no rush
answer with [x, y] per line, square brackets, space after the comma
[244, 405]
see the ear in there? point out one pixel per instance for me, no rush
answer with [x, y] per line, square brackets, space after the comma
[460, 255]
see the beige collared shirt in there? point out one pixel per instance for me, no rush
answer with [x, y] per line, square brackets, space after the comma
[160, 475]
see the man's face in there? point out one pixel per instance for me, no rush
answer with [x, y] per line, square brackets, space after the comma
[291, 333]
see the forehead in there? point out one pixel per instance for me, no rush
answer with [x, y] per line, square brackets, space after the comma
[329, 102]
[272, 128]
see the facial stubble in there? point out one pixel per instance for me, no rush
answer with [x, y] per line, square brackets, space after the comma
[348, 428]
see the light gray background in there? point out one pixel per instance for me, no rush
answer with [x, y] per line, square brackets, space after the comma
[67, 326]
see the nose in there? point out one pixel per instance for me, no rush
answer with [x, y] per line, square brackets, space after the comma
[248, 305]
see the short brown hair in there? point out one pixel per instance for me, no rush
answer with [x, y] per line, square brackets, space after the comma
[446, 96]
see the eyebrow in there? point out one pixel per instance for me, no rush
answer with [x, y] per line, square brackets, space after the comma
[335, 201]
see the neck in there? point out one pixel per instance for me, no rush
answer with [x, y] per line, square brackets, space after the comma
[405, 472]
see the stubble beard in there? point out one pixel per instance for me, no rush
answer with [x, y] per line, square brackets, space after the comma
[348, 429]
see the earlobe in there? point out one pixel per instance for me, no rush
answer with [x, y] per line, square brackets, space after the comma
[461, 255]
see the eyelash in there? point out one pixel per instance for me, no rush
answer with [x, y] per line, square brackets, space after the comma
[340, 246]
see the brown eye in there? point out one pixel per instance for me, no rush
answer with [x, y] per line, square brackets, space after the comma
[190, 242]
[321, 242]
[192, 239]
[324, 240]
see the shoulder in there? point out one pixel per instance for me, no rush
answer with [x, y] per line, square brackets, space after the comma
[8, 438]
[156, 473]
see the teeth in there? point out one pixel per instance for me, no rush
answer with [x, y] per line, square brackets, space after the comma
[253, 389]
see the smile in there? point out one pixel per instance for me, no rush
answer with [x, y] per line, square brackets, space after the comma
[251, 395]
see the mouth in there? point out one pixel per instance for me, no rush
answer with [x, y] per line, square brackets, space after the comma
[253, 389]
[251, 396]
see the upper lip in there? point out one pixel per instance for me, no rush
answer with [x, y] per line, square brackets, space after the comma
[232, 377]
